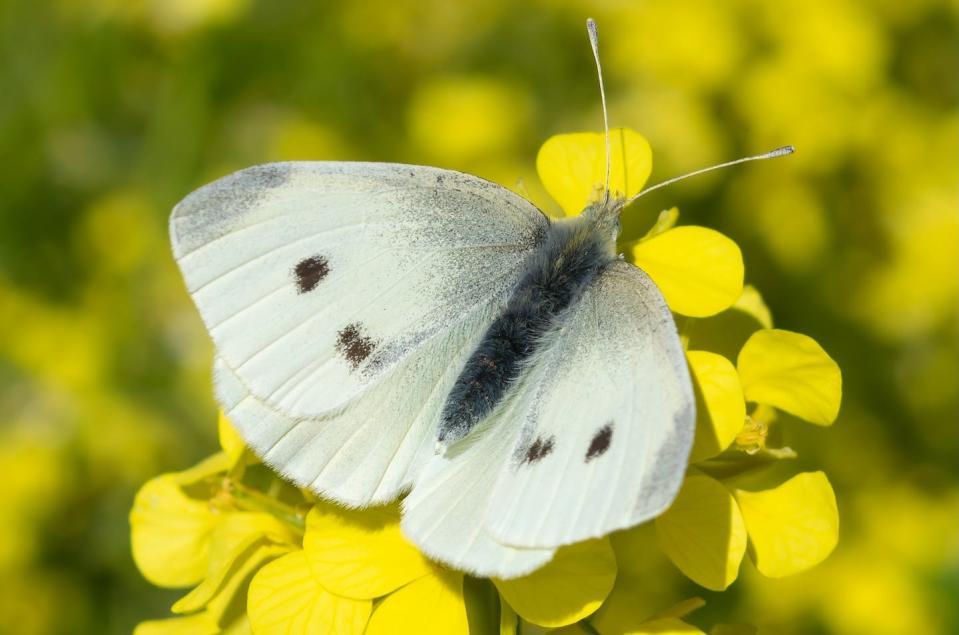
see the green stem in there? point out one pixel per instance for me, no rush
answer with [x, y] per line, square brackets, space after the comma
[253, 500]
[589, 628]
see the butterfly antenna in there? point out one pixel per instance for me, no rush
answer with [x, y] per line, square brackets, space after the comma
[594, 43]
[772, 154]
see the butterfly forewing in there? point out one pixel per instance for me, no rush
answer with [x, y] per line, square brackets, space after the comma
[320, 281]
[445, 513]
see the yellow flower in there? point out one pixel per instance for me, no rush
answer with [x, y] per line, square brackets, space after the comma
[205, 527]
[725, 502]
[170, 530]
[698, 270]
[353, 558]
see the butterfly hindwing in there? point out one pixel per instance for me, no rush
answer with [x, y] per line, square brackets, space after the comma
[445, 513]
[593, 438]
[609, 423]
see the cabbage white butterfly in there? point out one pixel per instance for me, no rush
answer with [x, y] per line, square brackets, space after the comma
[383, 328]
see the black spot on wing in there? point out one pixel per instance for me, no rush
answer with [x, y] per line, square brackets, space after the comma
[310, 272]
[600, 442]
[353, 345]
[539, 449]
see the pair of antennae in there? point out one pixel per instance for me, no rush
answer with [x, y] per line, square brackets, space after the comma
[594, 43]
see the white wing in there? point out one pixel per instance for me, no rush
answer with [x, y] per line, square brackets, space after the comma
[444, 514]
[594, 438]
[320, 281]
[614, 405]
[313, 278]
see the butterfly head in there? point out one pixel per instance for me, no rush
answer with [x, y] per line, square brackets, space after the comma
[603, 219]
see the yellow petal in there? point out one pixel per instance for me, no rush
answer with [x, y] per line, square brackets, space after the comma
[703, 533]
[664, 222]
[220, 567]
[170, 533]
[226, 611]
[361, 554]
[230, 440]
[572, 167]
[720, 407]
[431, 605]
[233, 539]
[791, 372]
[666, 626]
[626, 608]
[239, 626]
[752, 303]
[573, 585]
[698, 270]
[285, 597]
[210, 467]
[199, 624]
[792, 527]
[229, 603]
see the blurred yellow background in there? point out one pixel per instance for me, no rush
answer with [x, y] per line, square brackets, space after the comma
[113, 110]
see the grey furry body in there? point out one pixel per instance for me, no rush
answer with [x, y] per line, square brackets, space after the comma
[570, 257]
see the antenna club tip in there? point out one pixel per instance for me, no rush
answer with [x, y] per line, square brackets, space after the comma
[783, 151]
[591, 25]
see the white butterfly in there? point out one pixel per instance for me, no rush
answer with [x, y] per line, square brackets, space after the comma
[384, 328]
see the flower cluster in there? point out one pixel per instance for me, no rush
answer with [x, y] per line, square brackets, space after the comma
[265, 556]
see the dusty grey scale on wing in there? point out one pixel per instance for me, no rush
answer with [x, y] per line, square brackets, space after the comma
[481, 262]
[215, 209]
[572, 255]
[671, 456]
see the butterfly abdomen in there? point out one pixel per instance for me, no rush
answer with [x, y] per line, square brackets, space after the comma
[571, 255]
